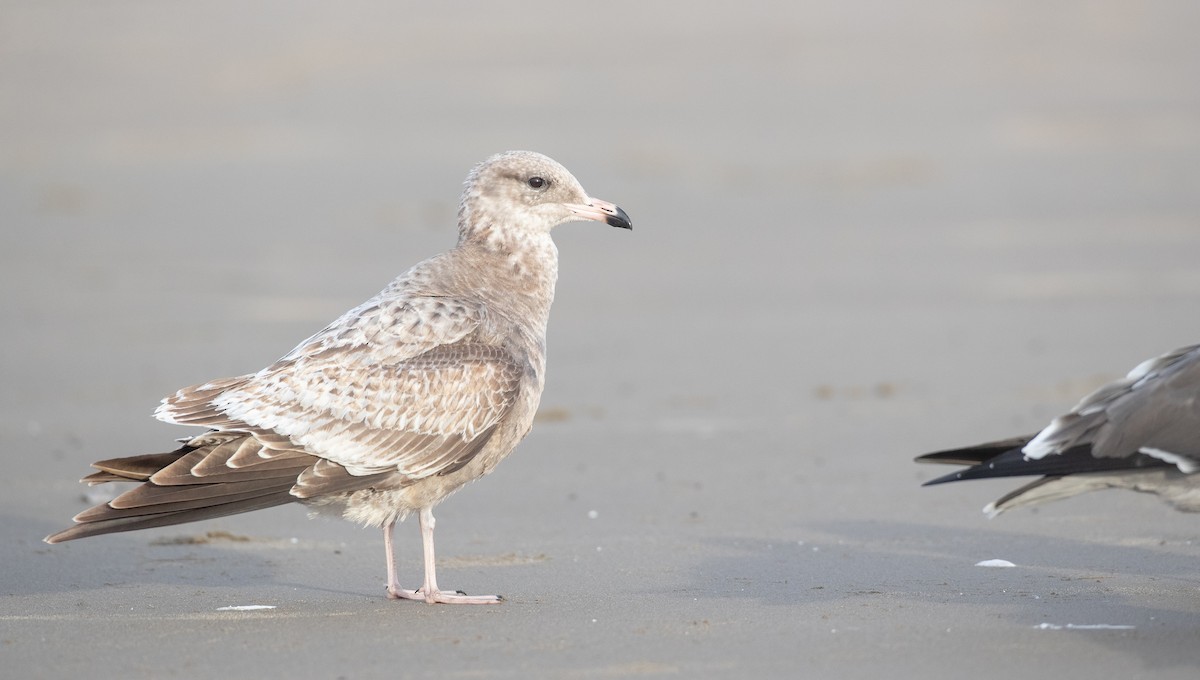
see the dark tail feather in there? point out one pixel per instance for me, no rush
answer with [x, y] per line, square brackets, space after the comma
[172, 499]
[185, 496]
[117, 524]
[134, 468]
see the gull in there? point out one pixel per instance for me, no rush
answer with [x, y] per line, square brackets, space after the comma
[1140, 433]
[395, 405]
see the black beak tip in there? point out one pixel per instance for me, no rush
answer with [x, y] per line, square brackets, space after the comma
[619, 219]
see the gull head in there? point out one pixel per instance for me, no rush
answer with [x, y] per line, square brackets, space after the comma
[527, 191]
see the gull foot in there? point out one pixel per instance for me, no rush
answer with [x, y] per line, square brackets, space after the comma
[443, 597]
[402, 594]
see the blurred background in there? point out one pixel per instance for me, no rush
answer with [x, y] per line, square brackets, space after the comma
[863, 230]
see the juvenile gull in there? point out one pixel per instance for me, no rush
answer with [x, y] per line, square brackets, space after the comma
[1140, 433]
[395, 405]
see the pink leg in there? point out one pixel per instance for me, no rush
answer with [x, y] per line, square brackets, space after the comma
[430, 591]
[393, 584]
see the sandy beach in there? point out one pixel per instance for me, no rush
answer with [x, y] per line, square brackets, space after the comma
[862, 232]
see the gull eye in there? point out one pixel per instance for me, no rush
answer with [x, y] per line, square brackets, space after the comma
[537, 182]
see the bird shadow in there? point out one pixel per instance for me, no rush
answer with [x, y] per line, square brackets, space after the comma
[192, 556]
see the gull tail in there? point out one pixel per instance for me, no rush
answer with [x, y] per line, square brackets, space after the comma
[214, 475]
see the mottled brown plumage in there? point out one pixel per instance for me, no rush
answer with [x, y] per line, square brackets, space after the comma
[396, 404]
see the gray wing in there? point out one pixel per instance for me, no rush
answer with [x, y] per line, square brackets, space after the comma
[1154, 410]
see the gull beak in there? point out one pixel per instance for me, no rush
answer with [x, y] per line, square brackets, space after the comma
[602, 211]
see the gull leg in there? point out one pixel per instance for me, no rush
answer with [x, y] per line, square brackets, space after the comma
[432, 594]
[394, 591]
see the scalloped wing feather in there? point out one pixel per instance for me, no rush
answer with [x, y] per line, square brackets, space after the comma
[418, 418]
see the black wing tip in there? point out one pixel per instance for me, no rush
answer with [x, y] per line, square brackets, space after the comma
[974, 455]
[1014, 463]
[952, 477]
[950, 457]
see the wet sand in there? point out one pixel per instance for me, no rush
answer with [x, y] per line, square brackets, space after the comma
[861, 233]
